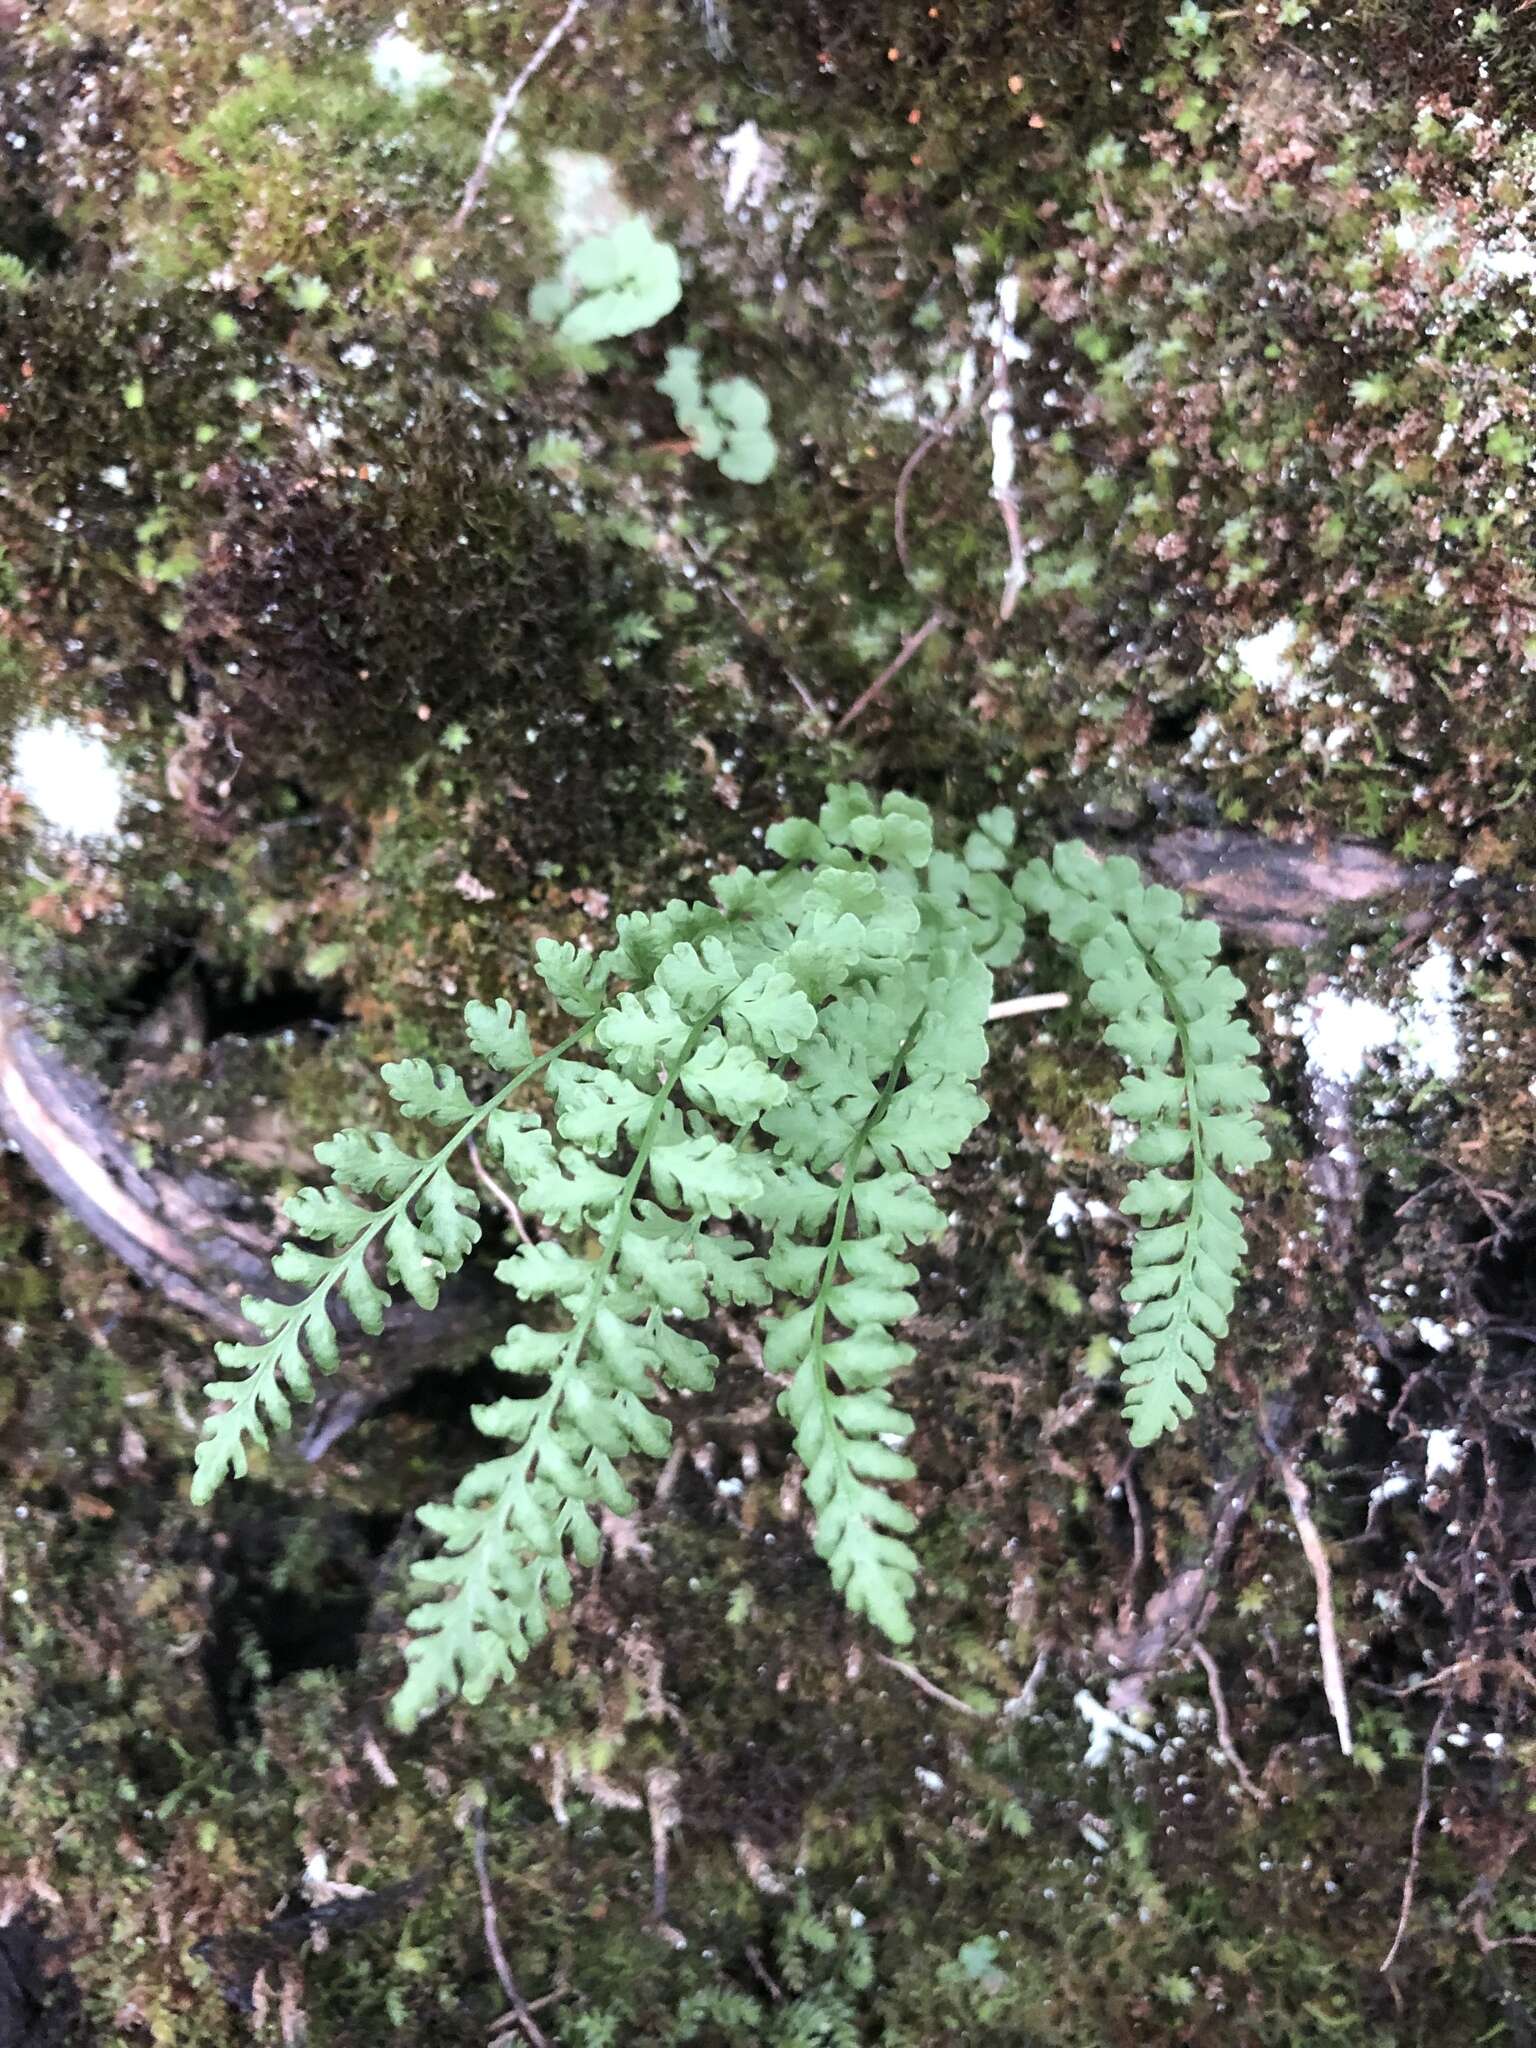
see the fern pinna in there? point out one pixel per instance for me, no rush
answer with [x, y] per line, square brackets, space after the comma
[752, 1095]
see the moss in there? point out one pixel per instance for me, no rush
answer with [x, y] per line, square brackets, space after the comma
[262, 610]
[317, 173]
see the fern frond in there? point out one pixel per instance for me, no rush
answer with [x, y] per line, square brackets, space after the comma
[796, 1057]
[1192, 1091]
[426, 1226]
[514, 1519]
[846, 1423]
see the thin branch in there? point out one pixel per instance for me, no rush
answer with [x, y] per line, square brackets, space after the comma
[1224, 1741]
[1005, 493]
[818, 711]
[664, 1814]
[496, 1191]
[1416, 1845]
[909, 647]
[1322, 1577]
[942, 432]
[1023, 1703]
[934, 1692]
[532, 2032]
[1486, 1943]
[502, 113]
[1026, 1006]
[755, 1959]
[1127, 1484]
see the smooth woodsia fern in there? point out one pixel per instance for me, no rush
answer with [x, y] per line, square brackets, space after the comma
[753, 1092]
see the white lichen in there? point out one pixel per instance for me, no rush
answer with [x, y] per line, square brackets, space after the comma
[67, 773]
[1442, 1455]
[1341, 1031]
[753, 167]
[404, 68]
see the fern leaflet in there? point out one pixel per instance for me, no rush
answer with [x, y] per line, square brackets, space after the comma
[1151, 974]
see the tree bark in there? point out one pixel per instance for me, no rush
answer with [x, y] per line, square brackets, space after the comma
[199, 1242]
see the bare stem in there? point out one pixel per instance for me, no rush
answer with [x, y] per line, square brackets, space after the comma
[1416, 1844]
[532, 2032]
[1322, 1577]
[497, 1192]
[908, 648]
[719, 582]
[1026, 1006]
[946, 428]
[502, 113]
[1224, 1739]
[935, 1692]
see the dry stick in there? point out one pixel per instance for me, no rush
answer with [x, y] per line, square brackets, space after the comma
[502, 113]
[943, 432]
[934, 1692]
[1322, 1575]
[1026, 1006]
[497, 1192]
[1023, 1703]
[909, 647]
[532, 2032]
[500, 2027]
[1416, 1845]
[1486, 1943]
[665, 1814]
[1138, 1537]
[1004, 491]
[817, 710]
[1224, 1740]
[762, 1976]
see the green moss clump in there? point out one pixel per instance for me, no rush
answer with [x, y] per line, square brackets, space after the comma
[323, 174]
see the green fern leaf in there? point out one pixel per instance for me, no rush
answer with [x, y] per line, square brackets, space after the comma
[1151, 976]
[499, 1035]
[795, 1057]
[438, 1097]
[295, 1335]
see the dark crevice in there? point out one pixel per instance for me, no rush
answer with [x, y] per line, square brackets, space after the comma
[224, 1004]
[294, 1595]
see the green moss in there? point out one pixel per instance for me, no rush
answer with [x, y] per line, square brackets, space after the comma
[315, 173]
[1208, 265]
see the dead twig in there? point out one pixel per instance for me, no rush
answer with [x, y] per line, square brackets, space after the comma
[1176, 1613]
[1487, 1943]
[719, 584]
[496, 1191]
[1416, 1844]
[1138, 1539]
[1026, 1006]
[1316, 1554]
[1479, 1667]
[1022, 1704]
[1224, 1741]
[909, 647]
[760, 1973]
[1004, 432]
[532, 2032]
[935, 1692]
[501, 113]
[665, 1814]
[944, 431]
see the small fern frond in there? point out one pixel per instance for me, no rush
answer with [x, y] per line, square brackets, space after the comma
[515, 1519]
[1192, 1091]
[846, 1423]
[425, 1226]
